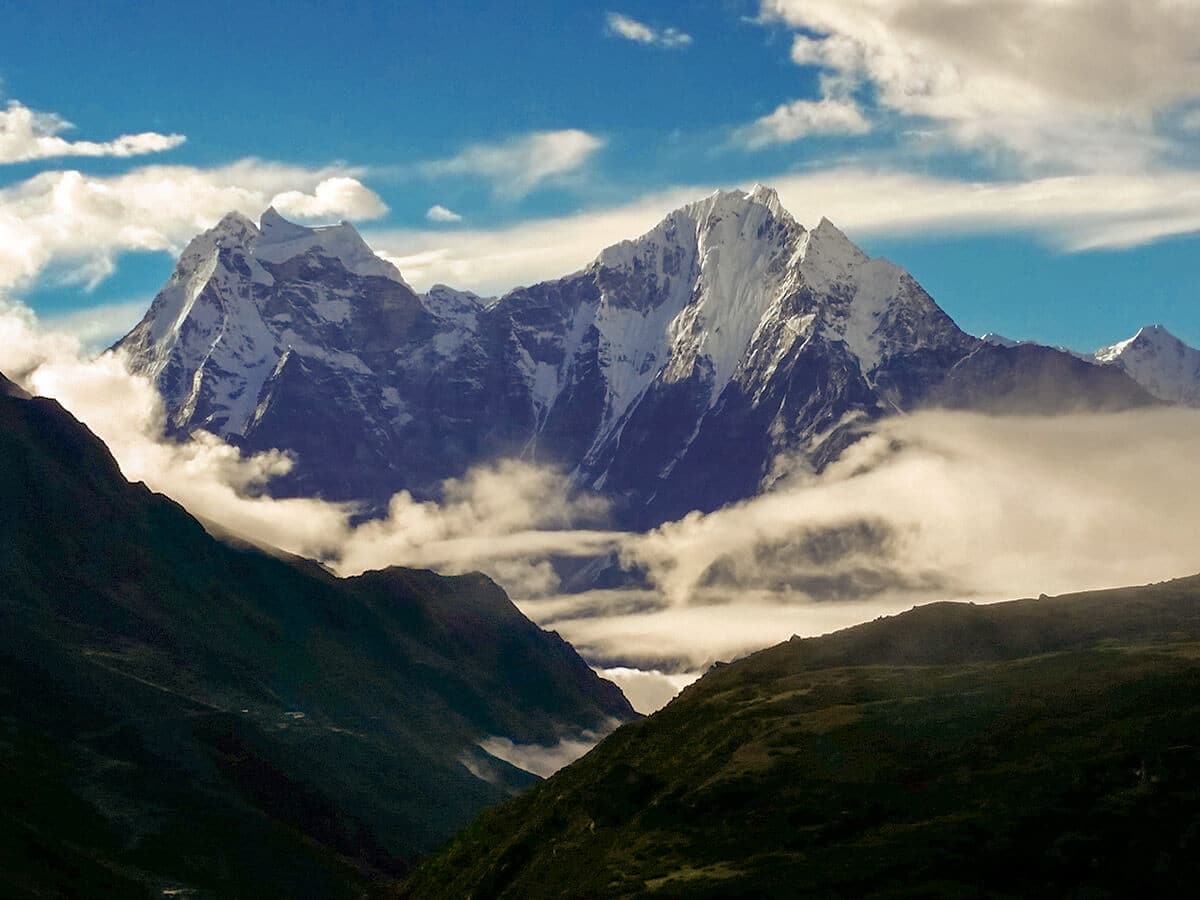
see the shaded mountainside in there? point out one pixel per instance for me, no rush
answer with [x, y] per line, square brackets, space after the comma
[1039, 748]
[176, 712]
[667, 375]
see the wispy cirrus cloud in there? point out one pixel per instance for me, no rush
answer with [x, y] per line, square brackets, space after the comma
[630, 29]
[802, 118]
[27, 135]
[520, 164]
[1070, 212]
[439, 213]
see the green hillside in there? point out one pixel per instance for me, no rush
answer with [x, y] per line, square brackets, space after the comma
[180, 714]
[1040, 748]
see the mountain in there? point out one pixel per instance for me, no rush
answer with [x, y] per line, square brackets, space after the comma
[1038, 748]
[181, 715]
[668, 375]
[1160, 362]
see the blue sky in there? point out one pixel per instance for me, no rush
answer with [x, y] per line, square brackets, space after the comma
[1033, 163]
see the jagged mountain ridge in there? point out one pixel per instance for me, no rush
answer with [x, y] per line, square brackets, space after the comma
[669, 374]
[1161, 364]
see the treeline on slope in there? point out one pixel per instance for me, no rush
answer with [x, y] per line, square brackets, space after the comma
[1038, 748]
[178, 713]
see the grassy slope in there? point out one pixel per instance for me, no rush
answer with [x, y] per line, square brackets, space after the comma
[1037, 748]
[147, 674]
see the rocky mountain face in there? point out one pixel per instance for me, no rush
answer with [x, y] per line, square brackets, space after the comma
[669, 375]
[182, 716]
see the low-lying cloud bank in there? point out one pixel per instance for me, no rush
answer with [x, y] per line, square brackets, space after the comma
[545, 760]
[507, 518]
[931, 506]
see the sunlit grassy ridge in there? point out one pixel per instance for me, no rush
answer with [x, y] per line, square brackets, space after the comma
[1037, 748]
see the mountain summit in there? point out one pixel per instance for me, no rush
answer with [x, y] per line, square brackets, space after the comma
[1158, 361]
[668, 374]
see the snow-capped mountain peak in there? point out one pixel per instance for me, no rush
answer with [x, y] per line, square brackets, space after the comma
[281, 240]
[1160, 362]
[246, 298]
[669, 373]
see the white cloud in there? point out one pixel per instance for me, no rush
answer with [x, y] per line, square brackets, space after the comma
[1077, 212]
[493, 260]
[545, 760]
[631, 29]
[77, 224]
[648, 690]
[932, 506]
[29, 135]
[801, 118]
[1075, 84]
[337, 196]
[507, 518]
[439, 213]
[520, 164]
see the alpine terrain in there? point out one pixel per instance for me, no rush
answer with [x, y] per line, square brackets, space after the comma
[668, 375]
[183, 717]
[1039, 748]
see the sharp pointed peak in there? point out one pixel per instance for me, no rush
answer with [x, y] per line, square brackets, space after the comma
[826, 226]
[1157, 331]
[1147, 334]
[758, 195]
[235, 224]
[828, 239]
[276, 228]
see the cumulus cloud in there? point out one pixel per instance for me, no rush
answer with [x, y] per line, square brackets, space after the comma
[517, 166]
[77, 224]
[439, 213]
[1077, 85]
[631, 29]
[338, 196]
[1069, 212]
[801, 118]
[26, 135]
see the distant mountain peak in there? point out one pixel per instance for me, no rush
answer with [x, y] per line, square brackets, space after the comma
[281, 239]
[830, 241]
[235, 223]
[276, 228]
[1159, 361]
